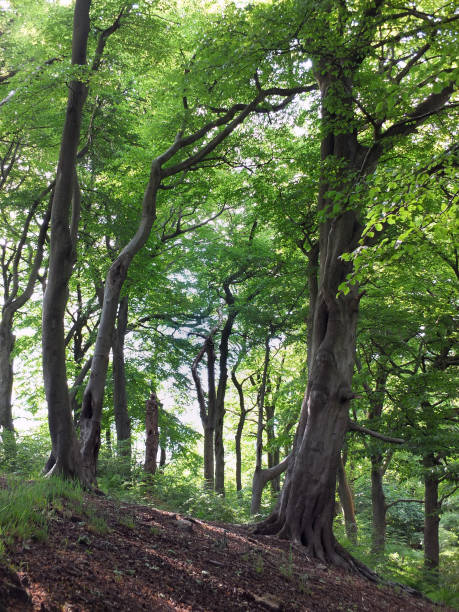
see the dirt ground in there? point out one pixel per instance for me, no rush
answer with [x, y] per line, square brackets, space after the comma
[140, 558]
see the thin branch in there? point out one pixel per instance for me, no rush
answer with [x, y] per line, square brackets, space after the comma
[353, 426]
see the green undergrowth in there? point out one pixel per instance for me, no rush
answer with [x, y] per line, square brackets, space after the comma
[404, 565]
[177, 489]
[26, 507]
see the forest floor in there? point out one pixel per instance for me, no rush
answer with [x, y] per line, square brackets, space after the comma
[110, 555]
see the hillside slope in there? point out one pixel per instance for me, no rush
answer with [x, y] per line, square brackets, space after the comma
[116, 556]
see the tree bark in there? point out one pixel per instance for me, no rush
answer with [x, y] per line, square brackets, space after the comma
[61, 260]
[305, 509]
[240, 428]
[221, 392]
[152, 434]
[261, 478]
[378, 506]
[91, 411]
[347, 503]
[6, 379]
[207, 410]
[258, 481]
[120, 405]
[432, 514]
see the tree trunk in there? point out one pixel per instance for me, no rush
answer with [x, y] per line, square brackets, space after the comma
[207, 412]
[239, 430]
[378, 506]
[162, 457]
[221, 392]
[347, 503]
[61, 259]
[306, 506]
[6, 386]
[432, 514]
[260, 478]
[91, 411]
[152, 434]
[258, 481]
[122, 419]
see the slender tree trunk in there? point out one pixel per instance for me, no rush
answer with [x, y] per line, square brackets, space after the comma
[91, 412]
[162, 457]
[152, 434]
[122, 419]
[239, 429]
[259, 480]
[347, 503]
[432, 515]
[378, 506]
[221, 392]
[61, 259]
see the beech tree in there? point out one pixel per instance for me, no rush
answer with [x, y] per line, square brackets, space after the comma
[380, 85]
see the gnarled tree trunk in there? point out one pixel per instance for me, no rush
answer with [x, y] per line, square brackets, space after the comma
[306, 506]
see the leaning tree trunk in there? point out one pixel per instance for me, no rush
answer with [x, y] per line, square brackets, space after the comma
[61, 260]
[91, 411]
[120, 405]
[306, 507]
[431, 515]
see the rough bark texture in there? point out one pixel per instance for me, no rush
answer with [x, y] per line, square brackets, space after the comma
[120, 405]
[432, 514]
[347, 503]
[61, 260]
[152, 433]
[306, 506]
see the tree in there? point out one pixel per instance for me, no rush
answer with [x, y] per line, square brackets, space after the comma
[349, 57]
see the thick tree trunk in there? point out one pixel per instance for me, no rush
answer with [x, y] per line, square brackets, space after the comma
[432, 515]
[347, 503]
[378, 506]
[306, 506]
[61, 260]
[122, 419]
[152, 434]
